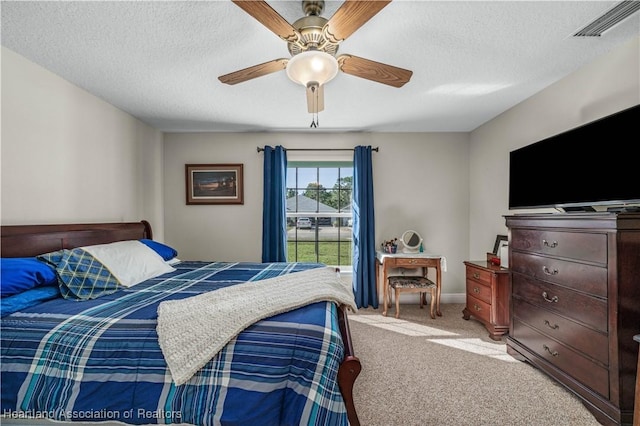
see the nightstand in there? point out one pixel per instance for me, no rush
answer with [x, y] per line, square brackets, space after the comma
[488, 296]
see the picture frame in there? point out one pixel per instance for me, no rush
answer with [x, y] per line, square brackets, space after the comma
[214, 184]
[503, 253]
[497, 244]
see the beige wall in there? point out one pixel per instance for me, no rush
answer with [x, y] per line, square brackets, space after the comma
[609, 84]
[68, 156]
[420, 181]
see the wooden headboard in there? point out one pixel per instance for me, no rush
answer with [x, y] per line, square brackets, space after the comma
[32, 240]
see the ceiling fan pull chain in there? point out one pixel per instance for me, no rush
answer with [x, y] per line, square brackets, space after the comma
[316, 108]
[314, 114]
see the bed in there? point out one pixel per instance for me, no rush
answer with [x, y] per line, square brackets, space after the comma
[101, 359]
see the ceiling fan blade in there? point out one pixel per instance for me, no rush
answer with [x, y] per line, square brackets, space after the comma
[350, 16]
[254, 71]
[374, 71]
[315, 103]
[268, 17]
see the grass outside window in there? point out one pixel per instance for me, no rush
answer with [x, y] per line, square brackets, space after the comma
[305, 251]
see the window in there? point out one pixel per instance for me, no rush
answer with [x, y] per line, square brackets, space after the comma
[319, 212]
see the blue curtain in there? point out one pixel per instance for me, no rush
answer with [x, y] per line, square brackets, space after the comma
[364, 246]
[274, 221]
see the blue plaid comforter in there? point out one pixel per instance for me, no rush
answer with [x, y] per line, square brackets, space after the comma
[100, 360]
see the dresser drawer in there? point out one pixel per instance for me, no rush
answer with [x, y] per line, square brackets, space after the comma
[479, 308]
[573, 245]
[583, 339]
[479, 290]
[586, 278]
[573, 363]
[479, 275]
[581, 307]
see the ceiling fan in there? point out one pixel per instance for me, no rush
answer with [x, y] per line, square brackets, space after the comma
[313, 43]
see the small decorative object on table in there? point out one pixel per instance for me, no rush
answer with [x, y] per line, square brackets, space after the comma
[412, 242]
[390, 246]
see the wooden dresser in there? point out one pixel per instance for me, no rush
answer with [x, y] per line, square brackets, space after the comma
[575, 304]
[636, 409]
[488, 296]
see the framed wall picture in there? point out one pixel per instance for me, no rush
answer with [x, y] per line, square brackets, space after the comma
[214, 183]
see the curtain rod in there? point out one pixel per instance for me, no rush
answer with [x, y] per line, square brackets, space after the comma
[320, 149]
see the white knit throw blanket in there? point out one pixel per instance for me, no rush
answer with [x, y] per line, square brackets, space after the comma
[192, 331]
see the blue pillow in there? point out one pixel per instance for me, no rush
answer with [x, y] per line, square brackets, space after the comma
[27, 299]
[166, 252]
[82, 276]
[18, 274]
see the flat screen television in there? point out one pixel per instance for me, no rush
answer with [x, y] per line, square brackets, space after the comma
[594, 164]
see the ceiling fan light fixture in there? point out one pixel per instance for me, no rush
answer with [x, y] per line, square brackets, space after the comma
[312, 66]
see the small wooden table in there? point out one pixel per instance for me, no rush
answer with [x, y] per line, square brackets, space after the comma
[409, 261]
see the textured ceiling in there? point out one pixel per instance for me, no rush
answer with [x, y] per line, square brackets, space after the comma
[159, 60]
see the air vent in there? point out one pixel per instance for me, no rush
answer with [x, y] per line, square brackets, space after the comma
[612, 17]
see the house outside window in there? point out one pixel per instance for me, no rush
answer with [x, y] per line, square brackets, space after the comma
[319, 212]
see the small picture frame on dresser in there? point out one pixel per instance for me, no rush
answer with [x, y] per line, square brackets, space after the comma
[503, 254]
[496, 245]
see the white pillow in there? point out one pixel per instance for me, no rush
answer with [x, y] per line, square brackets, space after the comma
[131, 262]
[173, 261]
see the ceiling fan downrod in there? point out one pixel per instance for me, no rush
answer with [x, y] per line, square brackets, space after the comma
[314, 8]
[310, 29]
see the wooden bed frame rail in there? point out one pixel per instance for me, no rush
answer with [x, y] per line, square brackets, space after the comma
[349, 368]
[32, 240]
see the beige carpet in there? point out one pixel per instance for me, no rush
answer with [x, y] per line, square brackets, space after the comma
[447, 371]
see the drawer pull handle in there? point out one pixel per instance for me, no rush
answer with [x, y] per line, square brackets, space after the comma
[553, 327]
[476, 307]
[476, 290]
[553, 353]
[413, 261]
[549, 271]
[550, 245]
[545, 296]
[476, 275]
